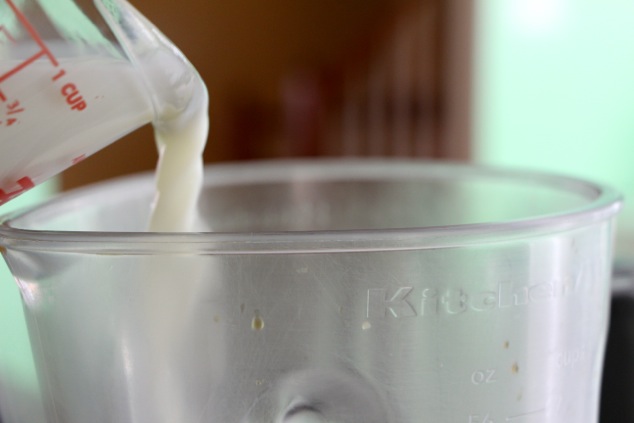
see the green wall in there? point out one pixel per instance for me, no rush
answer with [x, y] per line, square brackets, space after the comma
[554, 89]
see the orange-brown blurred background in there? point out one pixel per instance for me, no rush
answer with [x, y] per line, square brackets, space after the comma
[297, 78]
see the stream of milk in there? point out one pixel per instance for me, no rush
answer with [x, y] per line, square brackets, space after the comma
[168, 313]
[180, 140]
[179, 172]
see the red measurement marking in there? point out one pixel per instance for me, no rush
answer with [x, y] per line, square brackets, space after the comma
[21, 66]
[36, 37]
[2, 96]
[24, 183]
[44, 51]
[79, 159]
[13, 108]
[61, 73]
[7, 34]
[69, 90]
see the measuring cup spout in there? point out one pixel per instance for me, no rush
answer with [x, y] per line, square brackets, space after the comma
[173, 84]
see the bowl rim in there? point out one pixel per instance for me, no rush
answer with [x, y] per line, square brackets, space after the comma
[603, 203]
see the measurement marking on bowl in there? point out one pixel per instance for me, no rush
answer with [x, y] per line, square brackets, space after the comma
[483, 376]
[520, 416]
[488, 417]
[571, 357]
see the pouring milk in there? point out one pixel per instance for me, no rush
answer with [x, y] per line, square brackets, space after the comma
[180, 101]
[179, 171]
[63, 99]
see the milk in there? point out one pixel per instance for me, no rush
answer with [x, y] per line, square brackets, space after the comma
[42, 134]
[179, 172]
[181, 135]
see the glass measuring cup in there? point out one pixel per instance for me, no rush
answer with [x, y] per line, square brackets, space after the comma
[334, 291]
[74, 77]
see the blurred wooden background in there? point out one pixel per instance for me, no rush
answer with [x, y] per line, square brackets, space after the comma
[299, 78]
